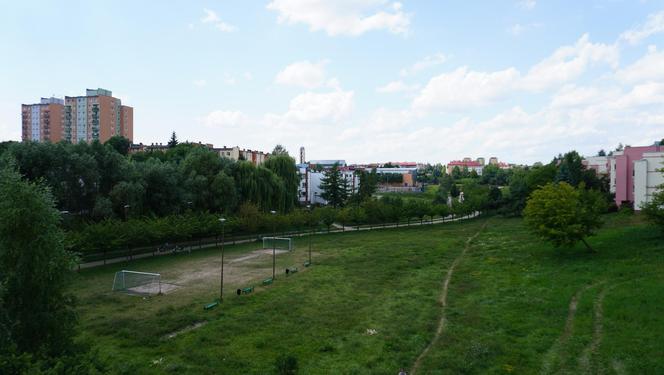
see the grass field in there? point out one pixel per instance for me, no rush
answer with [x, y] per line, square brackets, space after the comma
[514, 305]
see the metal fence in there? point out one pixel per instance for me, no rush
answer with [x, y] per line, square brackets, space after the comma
[131, 253]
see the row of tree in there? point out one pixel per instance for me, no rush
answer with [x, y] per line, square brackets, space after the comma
[100, 181]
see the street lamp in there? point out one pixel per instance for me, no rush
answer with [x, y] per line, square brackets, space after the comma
[311, 233]
[221, 287]
[274, 243]
[126, 211]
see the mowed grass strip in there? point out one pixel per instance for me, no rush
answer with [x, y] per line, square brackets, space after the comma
[386, 281]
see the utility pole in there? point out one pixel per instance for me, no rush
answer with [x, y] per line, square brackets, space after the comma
[221, 287]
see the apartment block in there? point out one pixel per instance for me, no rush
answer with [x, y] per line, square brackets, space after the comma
[236, 153]
[634, 174]
[43, 121]
[96, 116]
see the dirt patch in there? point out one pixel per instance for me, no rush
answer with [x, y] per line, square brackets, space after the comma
[239, 269]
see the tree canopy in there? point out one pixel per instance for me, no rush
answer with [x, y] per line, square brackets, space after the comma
[563, 214]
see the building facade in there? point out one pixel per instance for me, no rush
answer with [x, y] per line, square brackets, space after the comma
[648, 177]
[95, 116]
[236, 153]
[599, 163]
[633, 174]
[43, 121]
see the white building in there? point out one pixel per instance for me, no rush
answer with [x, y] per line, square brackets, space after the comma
[599, 163]
[309, 191]
[648, 177]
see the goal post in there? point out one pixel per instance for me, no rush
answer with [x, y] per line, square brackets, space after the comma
[134, 282]
[281, 243]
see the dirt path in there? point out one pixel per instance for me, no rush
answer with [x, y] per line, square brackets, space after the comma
[585, 361]
[443, 302]
[556, 349]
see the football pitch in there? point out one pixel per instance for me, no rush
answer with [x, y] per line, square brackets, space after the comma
[482, 296]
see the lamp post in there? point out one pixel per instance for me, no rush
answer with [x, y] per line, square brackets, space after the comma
[126, 211]
[311, 233]
[274, 244]
[221, 287]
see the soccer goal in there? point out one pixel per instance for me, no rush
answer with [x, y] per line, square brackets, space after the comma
[140, 283]
[281, 243]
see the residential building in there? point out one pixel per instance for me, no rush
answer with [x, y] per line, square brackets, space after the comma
[96, 116]
[599, 163]
[309, 190]
[465, 164]
[633, 174]
[236, 153]
[43, 121]
[648, 177]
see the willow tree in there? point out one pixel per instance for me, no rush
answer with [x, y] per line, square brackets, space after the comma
[284, 167]
[34, 270]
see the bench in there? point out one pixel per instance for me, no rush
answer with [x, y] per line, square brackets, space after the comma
[291, 270]
[210, 305]
[246, 290]
[307, 263]
[267, 281]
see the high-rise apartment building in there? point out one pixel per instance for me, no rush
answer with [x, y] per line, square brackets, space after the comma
[95, 116]
[43, 121]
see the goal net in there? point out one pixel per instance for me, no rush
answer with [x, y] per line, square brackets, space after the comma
[141, 283]
[281, 243]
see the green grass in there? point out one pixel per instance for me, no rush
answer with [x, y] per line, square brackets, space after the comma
[507, 306]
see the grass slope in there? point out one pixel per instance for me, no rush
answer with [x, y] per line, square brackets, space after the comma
[507, 307]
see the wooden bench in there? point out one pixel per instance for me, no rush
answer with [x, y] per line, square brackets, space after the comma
[291, 270]
[267, 281]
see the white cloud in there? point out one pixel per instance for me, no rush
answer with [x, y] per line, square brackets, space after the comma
[464, 89]
[648, 68]
[396, 86]
[568, 63]
[654, 25]
[425, 63]
[220, 118]
[303, 74]
[518, 29]
[347, 17]
[315, 108]
[200, 82]
[211, 17]
[527, 4]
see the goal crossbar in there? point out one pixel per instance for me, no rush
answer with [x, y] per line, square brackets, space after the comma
[281, 243]
[135, 282]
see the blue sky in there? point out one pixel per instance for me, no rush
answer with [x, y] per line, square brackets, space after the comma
[362, 80]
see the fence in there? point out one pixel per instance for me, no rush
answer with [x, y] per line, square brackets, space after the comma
[128, 254]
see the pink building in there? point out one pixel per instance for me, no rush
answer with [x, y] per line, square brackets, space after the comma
[622, 172]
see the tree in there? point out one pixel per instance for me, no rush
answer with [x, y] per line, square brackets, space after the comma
[284, 167]
[456, 173]
[571, 169]
[368, 184]
[601, 153]
[119, 144]
[34, 269]
[654, 210]
[279, 150]
[334, 187]
[173, 141]
[563, 214]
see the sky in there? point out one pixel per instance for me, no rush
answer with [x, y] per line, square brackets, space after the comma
[360, 80]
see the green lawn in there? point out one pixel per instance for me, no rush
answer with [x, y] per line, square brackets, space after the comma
[507, 306]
